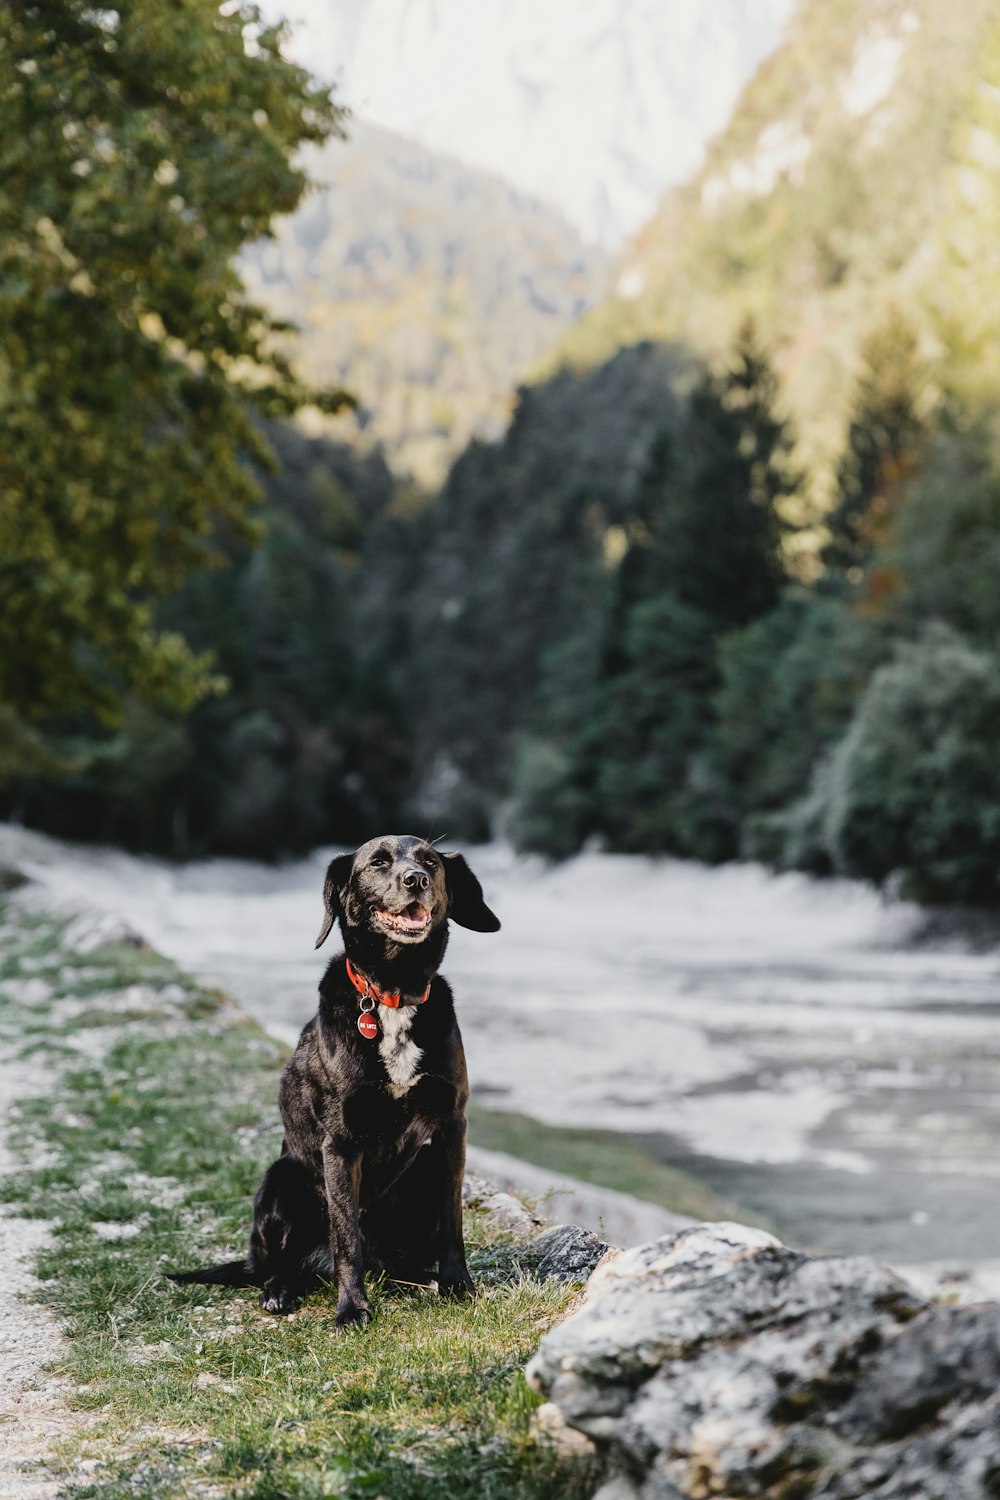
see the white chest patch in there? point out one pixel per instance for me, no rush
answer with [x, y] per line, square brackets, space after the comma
[400, 1055]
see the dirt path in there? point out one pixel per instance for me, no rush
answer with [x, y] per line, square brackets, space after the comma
[34, 1413]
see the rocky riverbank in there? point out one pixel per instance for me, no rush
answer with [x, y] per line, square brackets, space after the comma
[719, 1362]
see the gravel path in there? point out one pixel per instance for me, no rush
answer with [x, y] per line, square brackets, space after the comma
[34, 1413]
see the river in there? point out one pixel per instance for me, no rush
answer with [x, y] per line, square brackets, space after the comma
[784, 1038]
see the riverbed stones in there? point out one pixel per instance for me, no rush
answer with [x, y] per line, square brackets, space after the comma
[720, 1362]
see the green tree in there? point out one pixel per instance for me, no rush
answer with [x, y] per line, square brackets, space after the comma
[706, 556]
[653, 720]
[788, 685]
[885, 439]
[914, 786]
[709, 524]
[141, 145]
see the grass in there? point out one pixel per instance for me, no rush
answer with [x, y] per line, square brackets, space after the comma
[143, 1152]
[601, 1157]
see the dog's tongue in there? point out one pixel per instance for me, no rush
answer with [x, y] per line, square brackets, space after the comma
[413, 916]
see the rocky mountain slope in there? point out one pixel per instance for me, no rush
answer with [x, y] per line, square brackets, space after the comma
[426, 288]
[857, 173]
[593, 107]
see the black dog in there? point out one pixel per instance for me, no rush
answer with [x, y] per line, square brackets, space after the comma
[373, 1099]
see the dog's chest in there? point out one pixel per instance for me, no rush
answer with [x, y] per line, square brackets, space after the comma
[400, 1054]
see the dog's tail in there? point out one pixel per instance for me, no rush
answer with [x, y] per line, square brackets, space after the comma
[229, 1273]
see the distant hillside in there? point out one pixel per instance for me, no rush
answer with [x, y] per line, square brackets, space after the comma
[594, 108]
[428, 289]
[853, 176]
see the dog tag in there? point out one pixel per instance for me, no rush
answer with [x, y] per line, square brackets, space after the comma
[368, 1026]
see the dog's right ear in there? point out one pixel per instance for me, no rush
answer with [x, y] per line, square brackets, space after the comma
[337, 876]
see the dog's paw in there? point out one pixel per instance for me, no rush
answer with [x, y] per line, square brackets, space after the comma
[280, 1300]
[353, 1314]
[457, 1286]
[353, 1311]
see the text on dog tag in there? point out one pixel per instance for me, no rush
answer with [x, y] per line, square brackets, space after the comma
[368, 1026]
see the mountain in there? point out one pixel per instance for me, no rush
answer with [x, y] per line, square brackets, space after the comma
[594, 106]
[855, 177]
[426, 288]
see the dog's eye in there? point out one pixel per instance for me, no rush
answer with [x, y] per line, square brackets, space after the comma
[430, 861]
[380, 861]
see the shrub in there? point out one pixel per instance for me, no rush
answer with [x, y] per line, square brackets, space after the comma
[914, 786]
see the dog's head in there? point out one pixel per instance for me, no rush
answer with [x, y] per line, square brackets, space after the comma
[400, 888]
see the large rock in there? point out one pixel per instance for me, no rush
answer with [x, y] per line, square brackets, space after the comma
[719, 1362]
[563, 1253]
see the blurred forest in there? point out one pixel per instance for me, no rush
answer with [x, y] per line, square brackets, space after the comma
[725, 588]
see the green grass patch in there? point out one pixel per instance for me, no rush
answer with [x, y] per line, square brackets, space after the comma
[603, 1158]
[144, 1150]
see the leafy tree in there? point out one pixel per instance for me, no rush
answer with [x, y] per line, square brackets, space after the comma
[141, 145]
[885, 440]
[305, 747]
[914, 786]
[788, 685]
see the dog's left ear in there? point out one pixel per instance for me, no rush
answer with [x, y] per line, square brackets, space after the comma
[337, 875]
[465, 897]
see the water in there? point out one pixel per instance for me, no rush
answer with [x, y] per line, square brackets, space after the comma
[782, 1037]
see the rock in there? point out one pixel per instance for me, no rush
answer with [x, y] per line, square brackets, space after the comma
[475, 1188]
[507, 1214]
[90, 931]
[549, 1425]
[563, 1253]
[719, 1361]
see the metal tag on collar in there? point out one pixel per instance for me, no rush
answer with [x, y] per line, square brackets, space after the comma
[367, 1024]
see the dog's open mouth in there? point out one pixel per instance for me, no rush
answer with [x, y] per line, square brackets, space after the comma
[413, 921]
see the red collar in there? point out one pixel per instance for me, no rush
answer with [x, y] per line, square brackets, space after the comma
[368, 990]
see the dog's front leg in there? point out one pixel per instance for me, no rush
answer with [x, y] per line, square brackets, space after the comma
[453, 1275]
[342, 1177]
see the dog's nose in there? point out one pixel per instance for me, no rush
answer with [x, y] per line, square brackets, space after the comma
[416, 880]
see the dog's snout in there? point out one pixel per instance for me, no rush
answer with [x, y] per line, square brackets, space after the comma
[416, 880]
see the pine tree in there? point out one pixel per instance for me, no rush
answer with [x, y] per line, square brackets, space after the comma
[885, 440]
[710, 525]
[706, 557]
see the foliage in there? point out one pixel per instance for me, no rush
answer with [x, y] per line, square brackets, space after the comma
[709, 525]
[628, 619]
[703, 538]
[788, 685]
[519, 556]
[914, 786]
[654, 716]
[306, 746]
[962, 282]
[883, 449]
[139, 149]
[945, 545]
